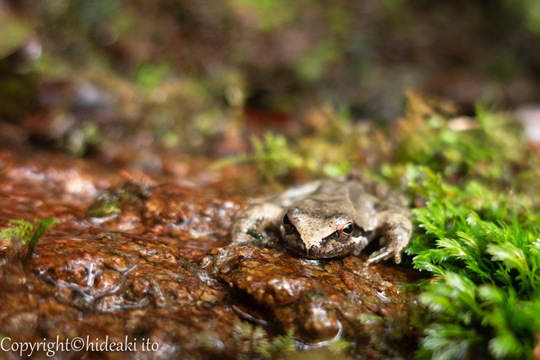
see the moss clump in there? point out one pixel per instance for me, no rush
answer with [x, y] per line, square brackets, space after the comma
[126, 197]
[483, 248]
[477, 233]
[254, 340]
[26, 232]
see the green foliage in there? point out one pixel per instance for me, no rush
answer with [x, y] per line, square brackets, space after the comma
[14, 32]
[271, 155]
[105, 204]
[478, 233]
[313, 63]
[270, 14]
[339, 346]
[483, 247]
[256, 338]
[483, 147]
[26, 232]
[45, 224]
[149, 76]
[528, 10]
[128, 195]
[278, 347]
[20, 229]
[328, 152]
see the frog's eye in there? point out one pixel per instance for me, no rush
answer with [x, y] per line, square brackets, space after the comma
[345, 232]
[286, 220]
[348, 229]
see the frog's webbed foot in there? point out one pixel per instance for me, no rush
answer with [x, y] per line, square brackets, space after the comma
[397, 229]
[249, 225]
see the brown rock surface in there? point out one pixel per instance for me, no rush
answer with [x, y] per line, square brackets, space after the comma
[158, 269]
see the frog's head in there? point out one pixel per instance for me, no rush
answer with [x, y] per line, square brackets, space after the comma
[317, 231]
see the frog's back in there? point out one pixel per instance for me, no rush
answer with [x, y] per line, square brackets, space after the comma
[361, 197]
[382, 196]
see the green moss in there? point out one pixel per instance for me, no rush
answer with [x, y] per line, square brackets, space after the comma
[14, 32]
[484, 147]
[255, 343]
[314, 62]
[127, 196]
[260, 346]
[483, 248]
[477, 234]
[270, 14]
[150, 77]
[271, 155]
[330, 150]
[26, 232]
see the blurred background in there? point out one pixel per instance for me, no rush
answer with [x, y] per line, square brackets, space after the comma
[198, 77]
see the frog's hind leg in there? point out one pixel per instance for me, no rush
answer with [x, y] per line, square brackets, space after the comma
[397, 229]
[250, 224]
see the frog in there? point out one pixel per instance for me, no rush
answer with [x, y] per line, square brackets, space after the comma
[331, 218]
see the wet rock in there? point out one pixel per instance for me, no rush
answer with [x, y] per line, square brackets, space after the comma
[319, 300]
[160, 270]
[193, 217]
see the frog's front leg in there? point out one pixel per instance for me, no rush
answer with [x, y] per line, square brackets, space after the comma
[251, 222]
[397, 229]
